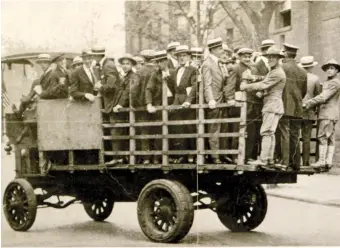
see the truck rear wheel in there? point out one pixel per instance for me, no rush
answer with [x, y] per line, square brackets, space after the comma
[20, 205]
[100, 207]
[243, 208]
[165, 211]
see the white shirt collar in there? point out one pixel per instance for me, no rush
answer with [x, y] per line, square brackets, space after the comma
[214, 58]
[88, 72]
[101, 62]
[187, 64]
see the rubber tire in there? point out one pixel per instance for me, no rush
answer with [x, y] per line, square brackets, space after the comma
[32, 204]
[184, 204]
[231, 223]
[102, 216]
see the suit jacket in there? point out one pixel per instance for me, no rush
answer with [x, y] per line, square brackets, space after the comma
[234, 81]
[188, 80]
[313, 89]
[329, 99]
[274, 84]
[55, 86]
[153, 91]
[111, 83]
[212, 78]
[170, 64]
[144, 74]
[80, 84]
[295, 90]
[129, 92]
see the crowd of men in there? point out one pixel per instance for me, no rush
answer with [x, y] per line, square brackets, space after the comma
[283, 98]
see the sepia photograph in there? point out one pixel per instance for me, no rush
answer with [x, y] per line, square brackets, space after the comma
[152, 123]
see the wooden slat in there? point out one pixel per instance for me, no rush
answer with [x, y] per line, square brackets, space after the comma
[171, 152]
[200, 127]
[165, 119]
[242, 139]
[71, 159]
[169, 136]
[173, 123]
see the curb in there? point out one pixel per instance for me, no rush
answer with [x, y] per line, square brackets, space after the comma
[306, 200]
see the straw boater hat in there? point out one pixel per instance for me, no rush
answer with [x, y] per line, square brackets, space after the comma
[214, 43]
[138, 58]
[332, 62]
[182, 49]
[267, 43]
[307, 61]
[77, 60]
[196, 52]
[44, 57]
[57, 58]
[290, 48]
[147, 53]
[127, 56]
[159, 56]
[98, 50]
[172, 46]
[86, 53]
[245, 50]
[273, 50]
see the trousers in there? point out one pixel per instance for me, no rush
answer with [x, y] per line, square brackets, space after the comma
[289, 140]
[306, 132]
[326, 132]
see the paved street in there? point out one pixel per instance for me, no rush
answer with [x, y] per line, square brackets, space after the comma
[287, 223]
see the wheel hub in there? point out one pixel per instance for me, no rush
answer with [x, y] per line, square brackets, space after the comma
[165, 213]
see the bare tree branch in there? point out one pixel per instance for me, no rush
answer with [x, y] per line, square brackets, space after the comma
[253, 16]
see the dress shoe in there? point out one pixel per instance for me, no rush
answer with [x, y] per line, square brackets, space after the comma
[258, 162]
[114, 162]
[227, 160]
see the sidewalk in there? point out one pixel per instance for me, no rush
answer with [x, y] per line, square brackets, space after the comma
[323, 189]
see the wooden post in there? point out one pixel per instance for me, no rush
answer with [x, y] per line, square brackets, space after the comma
[132, 131]
[71, 160]
[165, 131]
[243, 125]
[41, 161]
[200, 139]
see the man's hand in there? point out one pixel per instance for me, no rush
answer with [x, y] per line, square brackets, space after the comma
[307, 105]
[259, 94]
[151, 109]
[186, 105]
[98, 85]
[246, 75]
[37, 89]
[117, 108]
[243, 86]
[89, 97]
[212, 104]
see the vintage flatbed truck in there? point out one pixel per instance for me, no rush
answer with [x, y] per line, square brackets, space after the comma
[167, 194]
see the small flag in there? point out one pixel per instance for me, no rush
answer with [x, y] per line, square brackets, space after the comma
[5, 98]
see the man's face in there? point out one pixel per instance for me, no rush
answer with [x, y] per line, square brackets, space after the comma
[245, 58]
[97, 58]
[163, 64]
[183, 58]
[331, 71]
[62, 63]
[126, 65]
[87, 60]
[44, 65]
[172, 53]
[230, 67]
[196, 61]
[140, 64]
[273, 60]
[217, 51]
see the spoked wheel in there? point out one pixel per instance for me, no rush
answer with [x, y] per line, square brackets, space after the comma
[165, 211]
[243, 208]
[20, 205]
[99, 208]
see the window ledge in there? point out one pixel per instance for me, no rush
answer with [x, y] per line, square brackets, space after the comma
[282, 30]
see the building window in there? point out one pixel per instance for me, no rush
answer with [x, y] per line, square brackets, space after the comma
[286, 18]
[230, 34]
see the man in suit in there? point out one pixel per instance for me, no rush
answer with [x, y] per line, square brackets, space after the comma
[272, 111]
[290, 123]
[213, 80]
[309, 116]
[55, 85]
[44, 61]
[183, 82]
[254, 103]
[154, 96]
[329, 102]
[172, 60]
[83, 80]
[196, 57]
[106, 73]
[76, 63]
[144, 74]
[140, 62]
[128, 96]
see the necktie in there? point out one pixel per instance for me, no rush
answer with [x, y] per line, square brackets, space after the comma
[93, 78]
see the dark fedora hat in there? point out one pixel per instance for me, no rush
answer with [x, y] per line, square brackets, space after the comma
[127, 56]
[331, 62]
[57, 58]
